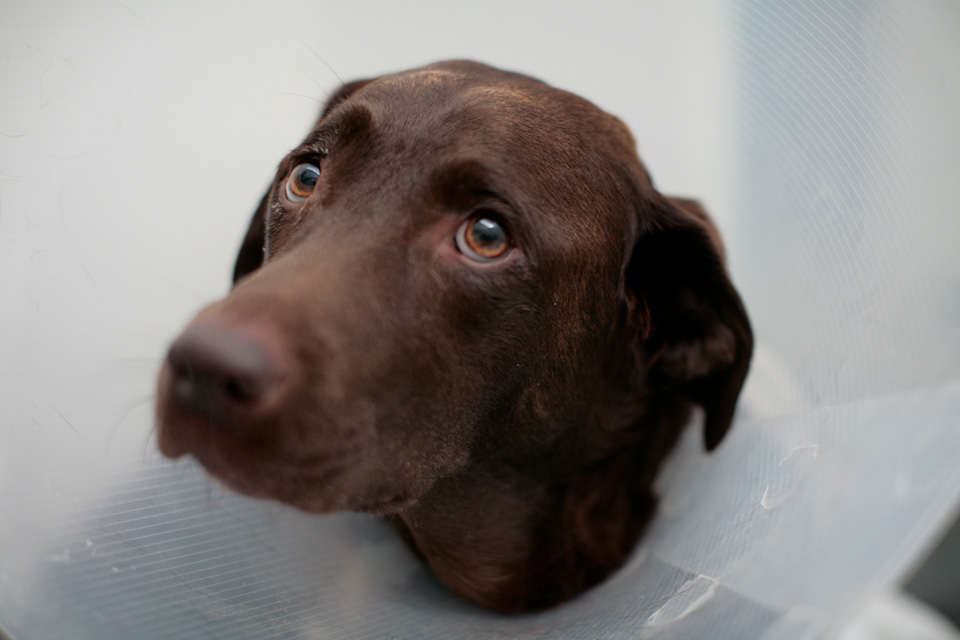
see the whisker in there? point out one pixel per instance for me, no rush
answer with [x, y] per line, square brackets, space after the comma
[136, 404]
[319, 57]
[314, 80]
[300, 95]
[150, 439]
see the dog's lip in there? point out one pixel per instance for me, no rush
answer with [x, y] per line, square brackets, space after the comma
[270, 478]
[172, 448]
[220, 446]
[222, 461]
[303, 483]
[387, 506]
[228, 457]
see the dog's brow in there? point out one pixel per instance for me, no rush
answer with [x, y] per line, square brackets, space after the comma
[345, 124]
[318, 141]
[458, 184]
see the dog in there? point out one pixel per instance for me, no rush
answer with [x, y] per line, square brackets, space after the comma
[463, 306]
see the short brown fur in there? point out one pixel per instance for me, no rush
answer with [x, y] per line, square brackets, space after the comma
[508, 417]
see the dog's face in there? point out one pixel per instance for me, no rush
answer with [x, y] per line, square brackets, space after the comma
[457, 264]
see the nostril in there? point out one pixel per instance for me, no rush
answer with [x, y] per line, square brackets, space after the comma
[184, 385]
[179, 368]
[239, 391]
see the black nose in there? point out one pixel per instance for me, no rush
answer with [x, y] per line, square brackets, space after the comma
[223, 374]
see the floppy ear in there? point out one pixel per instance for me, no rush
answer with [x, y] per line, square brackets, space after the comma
[251, 249]
[694, 330]
[250, 257]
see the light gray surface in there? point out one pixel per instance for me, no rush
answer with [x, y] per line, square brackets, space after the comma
[135, 140]
[895, 615]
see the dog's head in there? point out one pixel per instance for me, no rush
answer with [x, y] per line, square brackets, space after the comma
[457, 263]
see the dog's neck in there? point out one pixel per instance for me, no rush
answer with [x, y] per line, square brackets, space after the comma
[513, 540]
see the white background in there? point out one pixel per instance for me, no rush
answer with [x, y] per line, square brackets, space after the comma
[136, 138]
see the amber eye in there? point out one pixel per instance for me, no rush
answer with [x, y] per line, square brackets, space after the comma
[303, 180]
[482, 238]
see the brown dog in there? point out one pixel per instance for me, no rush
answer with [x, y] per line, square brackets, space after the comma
[474, 315]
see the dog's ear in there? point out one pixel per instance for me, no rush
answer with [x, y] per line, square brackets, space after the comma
[250, 257]
[692, 325]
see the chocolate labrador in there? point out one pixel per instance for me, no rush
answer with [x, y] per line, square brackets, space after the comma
[463, 306]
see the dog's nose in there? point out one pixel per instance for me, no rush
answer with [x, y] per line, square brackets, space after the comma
[224, 374]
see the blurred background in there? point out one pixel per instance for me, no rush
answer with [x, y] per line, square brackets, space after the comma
[137, 137]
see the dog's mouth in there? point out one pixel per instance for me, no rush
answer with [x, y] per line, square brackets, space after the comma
[324, 488]
[318, 492]
[322, 482]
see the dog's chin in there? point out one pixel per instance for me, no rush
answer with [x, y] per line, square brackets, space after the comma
[388, 507]
[309, 494]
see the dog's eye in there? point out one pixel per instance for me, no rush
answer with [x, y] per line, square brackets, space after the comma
[482, 238]
[303, 180]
